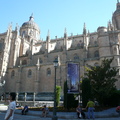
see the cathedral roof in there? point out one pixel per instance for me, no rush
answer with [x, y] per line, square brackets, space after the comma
[31, 23]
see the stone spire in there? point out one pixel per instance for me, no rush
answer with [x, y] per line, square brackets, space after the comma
[31, 17]
[108, 27]
[47, 42]
[9, 30]
[17, 27]
[48, 36]
[17, 30]
[84, 29]
[65, 33]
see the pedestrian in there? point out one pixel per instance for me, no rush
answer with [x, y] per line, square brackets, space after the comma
[11, 108]
[25, 110]
[45, 111]
[90, 105]
[80, 112]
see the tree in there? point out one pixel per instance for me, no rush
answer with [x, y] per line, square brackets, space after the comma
[86, 91]
[102, 79]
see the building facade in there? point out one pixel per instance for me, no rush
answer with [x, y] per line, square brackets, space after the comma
[26, 62]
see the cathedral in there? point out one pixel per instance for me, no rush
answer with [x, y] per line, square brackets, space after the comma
[26, 61]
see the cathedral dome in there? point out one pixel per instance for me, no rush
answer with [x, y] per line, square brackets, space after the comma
[117, 9]
[116, 17]
[30, 24]
[101, 29]
[117, 12]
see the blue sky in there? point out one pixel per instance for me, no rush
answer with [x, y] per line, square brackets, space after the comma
[56, 15]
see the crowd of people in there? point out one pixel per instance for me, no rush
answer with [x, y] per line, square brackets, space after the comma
[90, 107]
[45, 111]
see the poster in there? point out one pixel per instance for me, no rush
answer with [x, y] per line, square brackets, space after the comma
[73, 78]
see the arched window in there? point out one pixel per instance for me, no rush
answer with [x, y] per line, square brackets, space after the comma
[76, 57]
[96, 54]
[48, 72]
[29, 72]
[24, 62]
[12, 73]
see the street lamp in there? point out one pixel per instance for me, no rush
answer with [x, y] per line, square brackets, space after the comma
[54, 110]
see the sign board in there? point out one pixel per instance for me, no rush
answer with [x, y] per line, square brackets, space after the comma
[73, 77]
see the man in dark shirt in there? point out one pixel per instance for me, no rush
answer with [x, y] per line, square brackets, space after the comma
[80, 112]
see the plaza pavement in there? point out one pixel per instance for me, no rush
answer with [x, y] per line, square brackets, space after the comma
[28, 117]
[110, 113]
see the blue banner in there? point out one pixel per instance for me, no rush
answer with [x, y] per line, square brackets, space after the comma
[73, 77]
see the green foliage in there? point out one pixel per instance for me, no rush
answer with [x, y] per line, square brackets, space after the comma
[102, 79]
[58, 90]
[86, 91]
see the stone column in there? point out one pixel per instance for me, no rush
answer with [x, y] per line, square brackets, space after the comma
[17, 96]
[34, 97]
[25, 96]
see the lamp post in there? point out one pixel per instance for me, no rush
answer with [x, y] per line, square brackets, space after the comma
[54, 110]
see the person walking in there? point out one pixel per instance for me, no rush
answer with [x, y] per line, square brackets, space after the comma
[90, 105]
[11, 108]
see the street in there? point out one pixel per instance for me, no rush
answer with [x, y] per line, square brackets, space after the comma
[28, 117]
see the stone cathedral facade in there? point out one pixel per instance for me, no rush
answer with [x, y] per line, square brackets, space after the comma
[26, 62]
